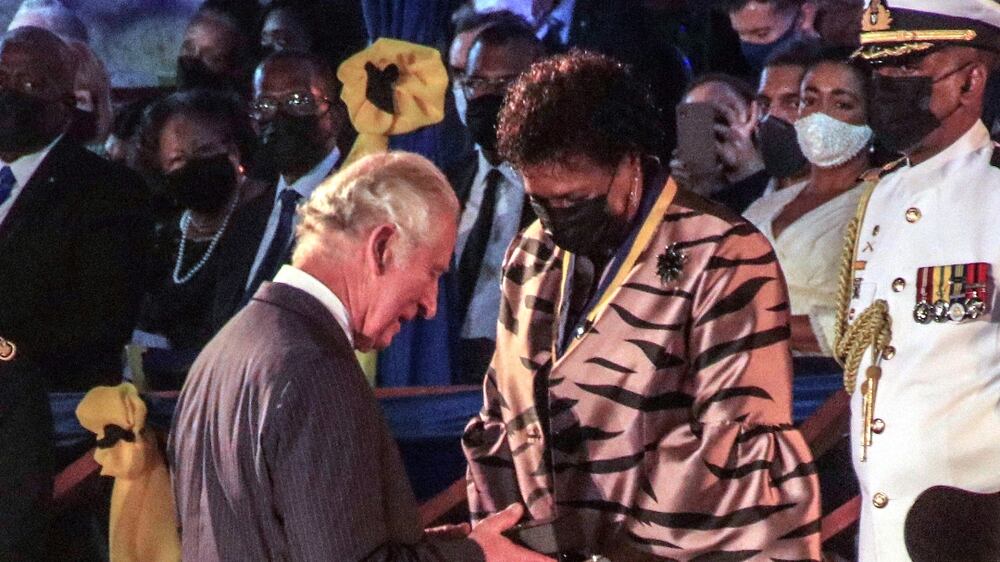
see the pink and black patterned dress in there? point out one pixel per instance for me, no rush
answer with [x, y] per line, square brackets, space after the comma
[664, 428]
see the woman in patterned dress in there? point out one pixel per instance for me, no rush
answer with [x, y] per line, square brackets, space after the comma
[640, 397]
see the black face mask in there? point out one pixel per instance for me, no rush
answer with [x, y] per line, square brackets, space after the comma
[192, 73]
[586, 228]
[83, 127]
[779, 147]
[24, 123]
[900, 111]
[203, 185]
[291, 144]
[481, 118]
[265, 51]
[756, 54]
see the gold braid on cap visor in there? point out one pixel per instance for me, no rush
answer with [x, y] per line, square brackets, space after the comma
[905, 42]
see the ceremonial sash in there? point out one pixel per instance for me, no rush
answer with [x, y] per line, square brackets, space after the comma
[621, 266]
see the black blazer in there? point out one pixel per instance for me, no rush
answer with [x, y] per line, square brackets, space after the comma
[236, 253]
[73, 255]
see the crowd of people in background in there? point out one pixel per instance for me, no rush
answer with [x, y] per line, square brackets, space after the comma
[215, 244]
[150, 218]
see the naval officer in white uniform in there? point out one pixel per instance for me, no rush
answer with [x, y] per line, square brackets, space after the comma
[921, 327]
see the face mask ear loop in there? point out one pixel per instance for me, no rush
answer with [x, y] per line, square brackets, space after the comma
[965, 87]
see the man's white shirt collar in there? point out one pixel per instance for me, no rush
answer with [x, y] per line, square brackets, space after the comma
[562, 13]
[26, 166]
[23, 169]
[295, 277]
[976, 138]
[508, 171]
[308, 183]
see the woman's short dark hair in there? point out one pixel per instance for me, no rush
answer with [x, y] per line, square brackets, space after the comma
[225, 110]
[578, 104]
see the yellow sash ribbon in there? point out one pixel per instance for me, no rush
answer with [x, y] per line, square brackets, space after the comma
[642, 241]
[143, 525]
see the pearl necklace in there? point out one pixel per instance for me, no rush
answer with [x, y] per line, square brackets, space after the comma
[185, 222]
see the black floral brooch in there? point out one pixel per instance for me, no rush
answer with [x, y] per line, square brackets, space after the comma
[670, 264]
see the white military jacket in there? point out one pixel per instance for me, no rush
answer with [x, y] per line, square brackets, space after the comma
[937, 410]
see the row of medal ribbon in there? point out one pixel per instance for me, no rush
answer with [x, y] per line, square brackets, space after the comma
[951, 293]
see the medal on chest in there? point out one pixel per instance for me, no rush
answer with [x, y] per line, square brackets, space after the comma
[951, 293]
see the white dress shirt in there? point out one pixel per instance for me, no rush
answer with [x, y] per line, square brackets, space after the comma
[295, 277]
[936, 403]
[481, 319]
[809, 252]
[23, 168]
[563, 14]
[304, 186]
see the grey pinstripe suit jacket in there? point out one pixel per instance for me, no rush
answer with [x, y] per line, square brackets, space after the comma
[279, 450]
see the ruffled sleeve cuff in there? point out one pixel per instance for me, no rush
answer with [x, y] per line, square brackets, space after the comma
[747, 487]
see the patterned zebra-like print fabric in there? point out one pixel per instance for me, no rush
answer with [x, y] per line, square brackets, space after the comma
[666, 429]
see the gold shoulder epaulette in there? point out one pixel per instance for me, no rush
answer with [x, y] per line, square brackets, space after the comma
[871, 175]
[876, 174]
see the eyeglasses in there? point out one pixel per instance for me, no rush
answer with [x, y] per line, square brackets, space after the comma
[475, 85]
[297, 104]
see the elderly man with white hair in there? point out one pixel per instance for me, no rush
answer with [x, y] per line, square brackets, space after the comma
[278, 449]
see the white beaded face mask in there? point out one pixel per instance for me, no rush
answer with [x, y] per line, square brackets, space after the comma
[828, 142]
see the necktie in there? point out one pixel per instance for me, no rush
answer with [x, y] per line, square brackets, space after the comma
[279, 244]
[479, 237]
[552, 40]
[7, 183]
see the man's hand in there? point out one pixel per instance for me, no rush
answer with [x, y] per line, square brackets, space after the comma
[735, 146]
[499, 548]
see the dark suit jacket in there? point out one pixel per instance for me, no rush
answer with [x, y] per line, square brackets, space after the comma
[621, 29]
[236, 253]
[72, 251]
[26, 461]
[72, 266]
[279, 449]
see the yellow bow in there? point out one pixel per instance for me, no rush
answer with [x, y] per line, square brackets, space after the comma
[143, 526]
[390, 88]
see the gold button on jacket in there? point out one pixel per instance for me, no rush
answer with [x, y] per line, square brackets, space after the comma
[880, 500]
[878, 426]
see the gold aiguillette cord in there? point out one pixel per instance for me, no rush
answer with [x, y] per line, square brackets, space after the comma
[869, 389]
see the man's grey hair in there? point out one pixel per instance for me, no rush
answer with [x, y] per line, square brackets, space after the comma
[401, 188]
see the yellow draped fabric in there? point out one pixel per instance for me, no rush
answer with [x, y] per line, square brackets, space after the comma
[417, 97]
[143, 526]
